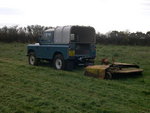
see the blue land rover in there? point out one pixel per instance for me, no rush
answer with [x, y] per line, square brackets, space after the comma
[65, 47]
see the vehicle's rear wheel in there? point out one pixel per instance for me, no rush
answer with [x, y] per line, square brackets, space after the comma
[32, 59]
[69, 65]
[59, 62]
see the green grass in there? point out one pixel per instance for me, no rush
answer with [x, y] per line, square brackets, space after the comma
[42, 89]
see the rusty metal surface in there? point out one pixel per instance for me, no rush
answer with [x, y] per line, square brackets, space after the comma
[97, 71]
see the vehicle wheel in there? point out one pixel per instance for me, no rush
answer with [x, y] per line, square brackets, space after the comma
[108, 75]
[32, 59]
[69, 65]
[59, 62]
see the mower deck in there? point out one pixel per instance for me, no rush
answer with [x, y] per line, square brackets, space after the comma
[113, 70]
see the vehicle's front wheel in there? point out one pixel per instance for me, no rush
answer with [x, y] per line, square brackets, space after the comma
[32, 59]
[59, 62]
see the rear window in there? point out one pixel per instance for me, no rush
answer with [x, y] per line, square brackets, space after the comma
[83, 34]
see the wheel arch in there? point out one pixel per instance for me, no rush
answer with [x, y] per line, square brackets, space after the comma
[56, 53]
[29, 51]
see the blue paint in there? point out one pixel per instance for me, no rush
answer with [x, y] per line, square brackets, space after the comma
[48, 51]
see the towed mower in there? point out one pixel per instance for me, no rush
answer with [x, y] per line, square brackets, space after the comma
[114, 70]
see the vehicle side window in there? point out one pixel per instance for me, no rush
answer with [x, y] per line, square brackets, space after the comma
[47, 38]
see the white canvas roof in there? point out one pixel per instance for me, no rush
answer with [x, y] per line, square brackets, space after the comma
[62, 34]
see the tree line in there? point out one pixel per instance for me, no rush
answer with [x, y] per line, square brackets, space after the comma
[27, 34]
[124, 38]
[31, 34]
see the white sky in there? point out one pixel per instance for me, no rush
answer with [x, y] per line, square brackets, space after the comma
[103, 15]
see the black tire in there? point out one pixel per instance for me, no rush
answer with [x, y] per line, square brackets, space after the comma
[69, 65]
[59, 62]
[108, 76]
[32, 59]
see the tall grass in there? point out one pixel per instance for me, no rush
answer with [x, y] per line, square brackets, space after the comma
[42, 89]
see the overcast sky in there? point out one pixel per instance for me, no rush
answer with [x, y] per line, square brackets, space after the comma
[103, 15]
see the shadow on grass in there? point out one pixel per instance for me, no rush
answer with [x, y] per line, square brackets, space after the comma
[45, 63]
[127, 75]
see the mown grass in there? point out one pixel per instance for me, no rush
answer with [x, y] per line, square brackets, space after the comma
[41, 89]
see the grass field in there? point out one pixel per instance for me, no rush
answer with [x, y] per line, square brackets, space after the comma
[41, 89]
